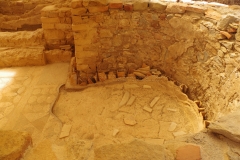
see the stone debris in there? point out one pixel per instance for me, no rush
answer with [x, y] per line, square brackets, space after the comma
[13, 144]
[125, 99]
[130, 86]
[139, 74]
[65, 131]
[172, 126]
[154, 101]
[147, 87]
[188, 152]
[102, 77]
[131, 100]
[115, 132]
[226, 126]
[179, 133]
[226, 34]
[129, 120]
[172, 110]
[148, 109]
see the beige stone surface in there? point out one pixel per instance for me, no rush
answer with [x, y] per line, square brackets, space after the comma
[226, 126]
[133, 150]
[13, 144]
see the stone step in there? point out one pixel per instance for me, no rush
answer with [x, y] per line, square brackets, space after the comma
[25, 56]
[22, 38]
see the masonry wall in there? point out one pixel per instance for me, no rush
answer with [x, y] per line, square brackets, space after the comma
[195, 44]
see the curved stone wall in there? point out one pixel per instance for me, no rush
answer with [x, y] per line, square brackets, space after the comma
[195, 44]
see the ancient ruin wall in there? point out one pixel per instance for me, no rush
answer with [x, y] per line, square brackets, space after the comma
[195, 44]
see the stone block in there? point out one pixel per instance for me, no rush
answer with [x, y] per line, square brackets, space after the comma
[76, 4]
[176, 8]
[78, 11]
[82, 42]
[54, 34]
[140, 5]
[115, 4]
[77, 20]
[225, 21]
[157, 6]
[104, 33]
[237, 35]
[82, 67]
[96, 9]
[189, 152]
[196, 9]
[128, 7]
[48, 26]
[50, 20]
[63, 26]
[80, 53]
[84, 27]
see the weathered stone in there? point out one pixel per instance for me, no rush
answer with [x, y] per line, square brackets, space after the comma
[131, 100]
[115, 4]
[78, 11]
[176, 8]
[237, 46]
[125, 99]
[133, 150]
[154, 101]
[157, 5]
[76, 3]
[172, 126]
[148, 109]
[226, 126]
[237, 35]
[13, 144]
[179, 133]
[196, 9]
[227, 44]
[111, 75]
[130, 120]
[140, 5]
[210, 13]
[102, 77]
[103, 33]
[98, 9]
[65, 131]
[225, 21]
[189, 152]
[147, 87]
[50, 20]
[138, 74]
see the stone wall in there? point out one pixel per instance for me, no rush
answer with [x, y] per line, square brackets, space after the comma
[194, 44]
[57, 26]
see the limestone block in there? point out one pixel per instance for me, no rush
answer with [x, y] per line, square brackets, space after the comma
[54, 34]
[225, 21]
[148, 109]
[76, 4]
[82, 67]
[102, 76]
[157, 5]
[237, 46]
[76, 19]
[154, 101]
[104, 33]
[210, 13]
[50, 20]
[124, 23]
[227, 126]
[96, 9]
[131, 101]
[63, 26]
[22, 56]
[237, 35]
[130, 120]
[196, 9]
[49, 11]
[65, 131]
[140, 5]
[176, 8]
[84, 54]
[48, 26]
[115, 4]
[227, 44]
[78, 11]
[125, 99]
[135, 150]
[13, 144]
[172, 126]
[111, 75]
[84, 27]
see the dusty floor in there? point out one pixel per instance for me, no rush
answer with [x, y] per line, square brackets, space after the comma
[74, 124]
